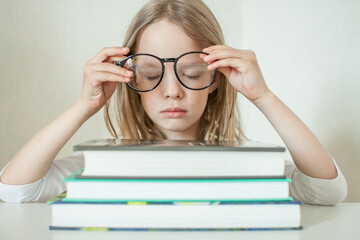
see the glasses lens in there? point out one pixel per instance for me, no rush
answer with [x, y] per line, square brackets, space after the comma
[193, 72]
[147, 72]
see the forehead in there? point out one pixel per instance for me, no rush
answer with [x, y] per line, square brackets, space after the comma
[165, 39]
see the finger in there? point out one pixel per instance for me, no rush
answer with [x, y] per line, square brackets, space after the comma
[215, 49]
[111, 68]
[239, 64]
[229, 53]
[113, 59]
[109, 77]
[210, 49]
[218, 54]
[202, 55]
[107, 52]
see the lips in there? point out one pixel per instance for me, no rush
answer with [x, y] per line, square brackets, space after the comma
[174, 112]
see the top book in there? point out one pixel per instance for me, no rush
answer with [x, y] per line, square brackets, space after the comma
[181, 159]
[176, 145]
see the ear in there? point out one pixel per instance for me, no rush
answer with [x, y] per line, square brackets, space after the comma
[214, 85]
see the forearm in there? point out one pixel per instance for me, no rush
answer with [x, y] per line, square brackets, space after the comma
[308, 154]
[242, 70]
[33, 161]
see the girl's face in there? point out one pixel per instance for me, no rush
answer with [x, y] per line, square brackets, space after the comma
[174, 109]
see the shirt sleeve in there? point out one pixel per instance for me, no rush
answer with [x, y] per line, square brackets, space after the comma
[45, 188]
[316, 190]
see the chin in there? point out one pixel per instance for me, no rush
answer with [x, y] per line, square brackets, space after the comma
[174, 127]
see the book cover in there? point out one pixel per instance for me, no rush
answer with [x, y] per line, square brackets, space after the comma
[171, 229]
[177, 145]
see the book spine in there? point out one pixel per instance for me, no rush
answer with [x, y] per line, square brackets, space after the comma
[171, 229]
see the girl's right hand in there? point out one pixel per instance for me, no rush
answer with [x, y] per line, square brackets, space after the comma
[101, 77]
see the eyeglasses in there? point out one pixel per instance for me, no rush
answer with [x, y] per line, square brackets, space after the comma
[148, 69]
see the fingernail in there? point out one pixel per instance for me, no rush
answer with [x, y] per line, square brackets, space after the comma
[127, 79]
[129, 73]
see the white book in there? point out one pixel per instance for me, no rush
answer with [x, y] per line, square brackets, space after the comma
[176, 215]
[186, 159]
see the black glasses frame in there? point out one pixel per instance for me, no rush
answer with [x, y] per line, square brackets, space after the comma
[162, 61]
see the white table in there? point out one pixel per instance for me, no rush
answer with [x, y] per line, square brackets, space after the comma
[31, 221]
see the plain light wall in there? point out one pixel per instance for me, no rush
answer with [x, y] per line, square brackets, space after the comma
[308, 52]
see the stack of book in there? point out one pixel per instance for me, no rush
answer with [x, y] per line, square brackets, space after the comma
[177, 185]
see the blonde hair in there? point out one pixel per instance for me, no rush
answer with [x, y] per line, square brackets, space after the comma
[221, 117]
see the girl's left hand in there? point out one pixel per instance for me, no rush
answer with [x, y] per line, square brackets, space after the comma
[240, 67]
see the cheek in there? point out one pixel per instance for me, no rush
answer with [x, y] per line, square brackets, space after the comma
[146, 101]
[199, 102]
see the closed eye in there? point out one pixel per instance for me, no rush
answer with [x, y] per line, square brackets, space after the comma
[152, 78]
[192, 77]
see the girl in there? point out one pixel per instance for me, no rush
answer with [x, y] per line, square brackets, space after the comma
[158, 103]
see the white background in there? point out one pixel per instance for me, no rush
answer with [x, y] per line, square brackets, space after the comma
[308, 52]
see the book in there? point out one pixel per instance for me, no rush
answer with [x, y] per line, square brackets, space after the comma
[176, 216]
[96, 189]
[142, 185]
[123, 158]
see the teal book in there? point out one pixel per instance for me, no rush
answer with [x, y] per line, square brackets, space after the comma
[174, 215]
[138, 189]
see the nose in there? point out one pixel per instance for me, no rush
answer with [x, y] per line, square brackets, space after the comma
[170, 85]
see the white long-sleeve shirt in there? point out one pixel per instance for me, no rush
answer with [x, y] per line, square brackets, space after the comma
[303, 188]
